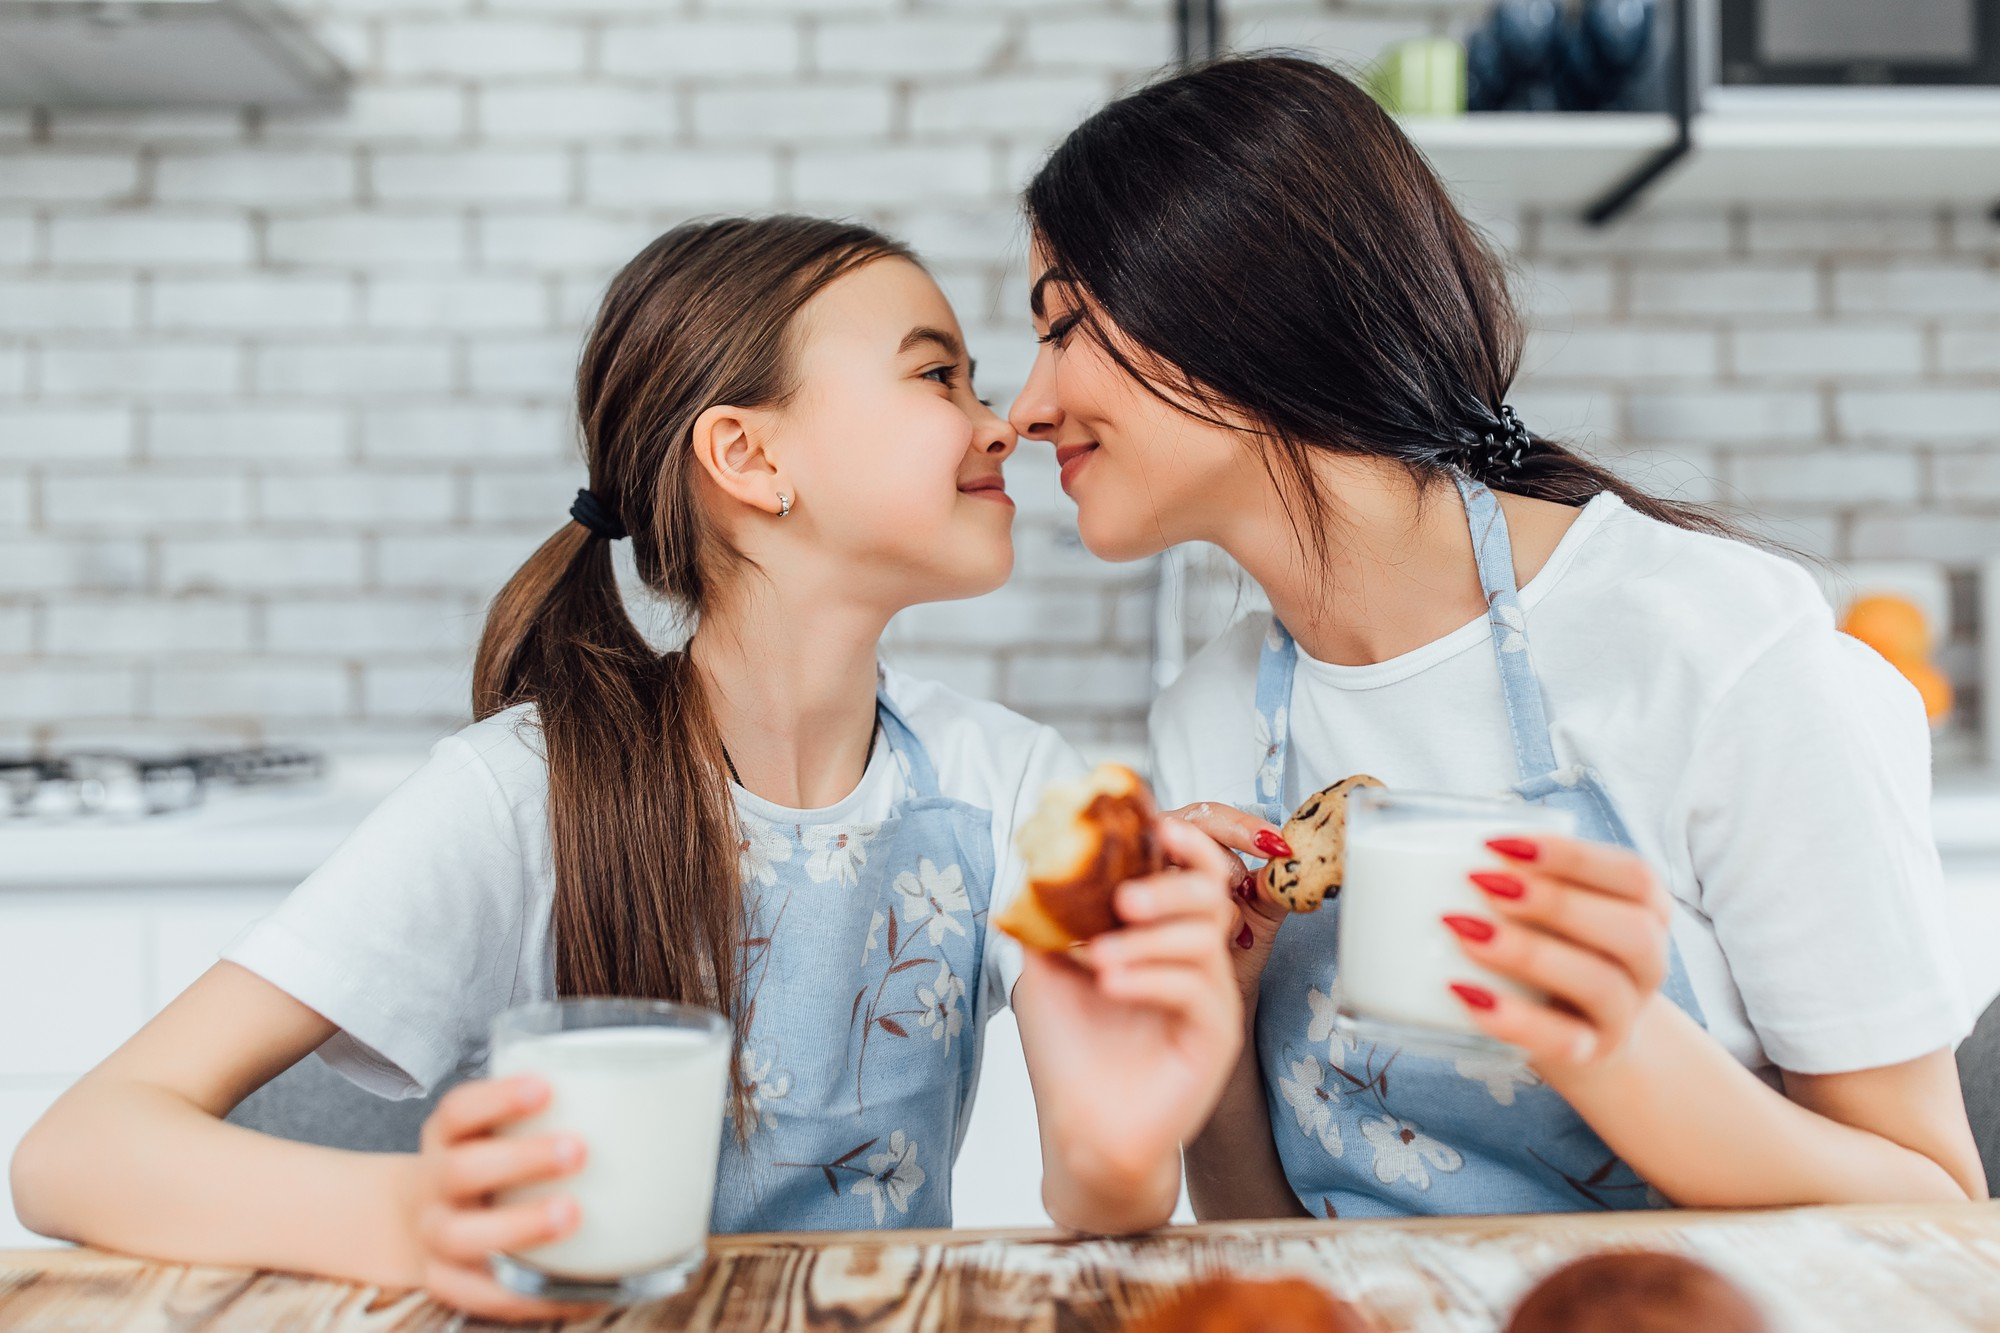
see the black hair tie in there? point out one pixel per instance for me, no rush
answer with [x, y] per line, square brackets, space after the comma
[1495, 453]
[590, 511]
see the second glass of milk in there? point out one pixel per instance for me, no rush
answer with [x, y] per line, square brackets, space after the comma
[1410, 859]
[642, 1083]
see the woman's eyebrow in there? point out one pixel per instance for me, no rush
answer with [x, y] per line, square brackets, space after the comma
[945, 341]
[1035, 306]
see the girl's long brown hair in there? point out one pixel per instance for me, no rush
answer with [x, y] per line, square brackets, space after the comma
[648, 897]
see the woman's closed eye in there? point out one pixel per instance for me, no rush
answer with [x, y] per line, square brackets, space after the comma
[1060, 329]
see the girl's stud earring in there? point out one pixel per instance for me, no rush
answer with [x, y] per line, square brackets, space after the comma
[784, 504]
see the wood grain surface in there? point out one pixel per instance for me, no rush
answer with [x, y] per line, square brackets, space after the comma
[1819, 1270]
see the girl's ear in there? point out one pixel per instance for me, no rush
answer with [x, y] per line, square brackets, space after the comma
[729, 446]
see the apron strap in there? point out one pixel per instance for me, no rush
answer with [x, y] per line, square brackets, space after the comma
[1276, 665]
[904, 744]
[1527, 718]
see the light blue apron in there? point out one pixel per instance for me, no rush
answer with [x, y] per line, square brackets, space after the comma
[861, 981]
[1371, 1130]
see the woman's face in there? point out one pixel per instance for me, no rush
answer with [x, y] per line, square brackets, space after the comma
[893, 460]
[1144, 474]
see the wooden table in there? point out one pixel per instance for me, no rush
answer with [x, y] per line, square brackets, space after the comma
[1818, 1270]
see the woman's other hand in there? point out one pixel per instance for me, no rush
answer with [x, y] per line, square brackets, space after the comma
[1256, 916]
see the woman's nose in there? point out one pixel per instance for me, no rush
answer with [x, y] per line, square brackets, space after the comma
[1035, 412]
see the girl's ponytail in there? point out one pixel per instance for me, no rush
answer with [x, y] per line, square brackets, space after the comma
[642, 830]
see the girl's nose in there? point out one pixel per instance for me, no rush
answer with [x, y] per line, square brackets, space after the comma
[993, 435]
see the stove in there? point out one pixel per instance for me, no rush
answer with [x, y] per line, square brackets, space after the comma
[109, 785]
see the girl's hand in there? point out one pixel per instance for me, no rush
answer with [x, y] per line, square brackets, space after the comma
[1132, 1036]
[462, 1163]
[1586, 924]
[1254, 921]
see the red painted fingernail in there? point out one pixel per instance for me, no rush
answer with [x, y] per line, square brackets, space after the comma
[1241, 891]
[1500, 886]
[1477, 997]
[1515, 849]
[1270, 844]
[1244, 939]
[1470, 928]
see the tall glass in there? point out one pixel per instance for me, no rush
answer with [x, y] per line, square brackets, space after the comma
[1410, 858]
[642, 1083]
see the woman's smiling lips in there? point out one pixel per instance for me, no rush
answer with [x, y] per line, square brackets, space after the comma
[1071, 458]
[987, 488]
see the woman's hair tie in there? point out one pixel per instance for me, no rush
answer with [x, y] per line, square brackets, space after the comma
[590, 511]
[1498, 448]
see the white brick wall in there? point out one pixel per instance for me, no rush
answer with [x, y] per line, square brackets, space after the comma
[284, 397]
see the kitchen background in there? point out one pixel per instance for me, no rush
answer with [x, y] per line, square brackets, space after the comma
[284, 394]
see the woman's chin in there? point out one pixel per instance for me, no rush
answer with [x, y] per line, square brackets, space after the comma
[1116, 538]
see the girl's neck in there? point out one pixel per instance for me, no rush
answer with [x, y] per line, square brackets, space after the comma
[1399, 570]
[791, 681]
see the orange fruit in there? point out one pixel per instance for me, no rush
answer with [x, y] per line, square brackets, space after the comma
[1892, 626]
[1933, 685]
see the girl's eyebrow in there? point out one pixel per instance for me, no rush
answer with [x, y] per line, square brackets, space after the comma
[945, 341]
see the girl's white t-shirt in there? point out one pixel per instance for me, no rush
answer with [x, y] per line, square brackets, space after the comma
[433, 915]
[1775, 772]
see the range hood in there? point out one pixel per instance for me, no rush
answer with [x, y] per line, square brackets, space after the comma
[161, 53]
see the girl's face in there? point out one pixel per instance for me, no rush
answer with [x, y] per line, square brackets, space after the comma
[892, 461]
[1144, 475]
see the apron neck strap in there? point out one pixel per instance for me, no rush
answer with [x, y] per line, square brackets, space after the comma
[1493, 551]
[903, 742]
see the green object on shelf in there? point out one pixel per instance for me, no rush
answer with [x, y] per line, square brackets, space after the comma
[1424, 76]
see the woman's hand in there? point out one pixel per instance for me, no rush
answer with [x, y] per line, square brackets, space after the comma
[1583, 923]
[1130, 1040]
[462, 1163]
[1253, 926]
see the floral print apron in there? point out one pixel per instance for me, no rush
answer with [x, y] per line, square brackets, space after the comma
[1370, 1130]
[861, 980]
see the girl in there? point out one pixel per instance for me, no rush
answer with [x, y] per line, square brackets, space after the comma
[1307, 362]
[780, 416]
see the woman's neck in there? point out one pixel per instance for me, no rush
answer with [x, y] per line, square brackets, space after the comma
[791, 682]
[1398, 571]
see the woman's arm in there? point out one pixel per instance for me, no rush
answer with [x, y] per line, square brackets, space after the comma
[1129, 1044]
[1708, 1133]
[137, 1157]
[1589, 926]
[1233, 1170]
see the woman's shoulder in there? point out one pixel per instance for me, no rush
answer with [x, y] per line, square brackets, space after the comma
[1223, 672]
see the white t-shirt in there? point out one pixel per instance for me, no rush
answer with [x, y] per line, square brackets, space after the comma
[1775, 772]
[433, 916]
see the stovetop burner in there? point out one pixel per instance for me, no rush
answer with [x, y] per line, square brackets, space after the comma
[105, 784]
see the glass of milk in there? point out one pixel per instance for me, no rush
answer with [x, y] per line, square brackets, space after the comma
[642, 1083]
[1410, 858]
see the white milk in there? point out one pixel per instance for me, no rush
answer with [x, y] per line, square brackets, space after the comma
[1397, 958]
[647, 1103]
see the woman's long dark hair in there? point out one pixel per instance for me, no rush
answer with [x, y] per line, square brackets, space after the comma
[648, 898]
[1256, 240]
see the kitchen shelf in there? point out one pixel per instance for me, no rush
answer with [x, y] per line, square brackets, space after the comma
[1558, 160]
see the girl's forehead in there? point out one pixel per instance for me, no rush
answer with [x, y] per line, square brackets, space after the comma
[876, 306]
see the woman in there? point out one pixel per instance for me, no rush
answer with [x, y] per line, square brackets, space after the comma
[1265, 326]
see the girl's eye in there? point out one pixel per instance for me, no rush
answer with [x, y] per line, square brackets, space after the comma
[944, 375]
[1060, 329]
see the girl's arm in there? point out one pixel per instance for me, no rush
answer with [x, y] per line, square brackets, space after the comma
[1129, 1043]
[1589, 925]
[137, 1157]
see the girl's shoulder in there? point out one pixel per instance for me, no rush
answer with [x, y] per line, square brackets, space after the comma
[984, 752]
[504, 749]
